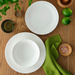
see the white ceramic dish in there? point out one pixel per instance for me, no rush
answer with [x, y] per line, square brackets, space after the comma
[19, 37]
[41, 17]
[26, 53]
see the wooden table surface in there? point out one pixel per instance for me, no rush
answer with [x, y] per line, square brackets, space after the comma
[67, 34]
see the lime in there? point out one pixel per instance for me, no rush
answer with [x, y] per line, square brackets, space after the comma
[67, 12]
[66, 20]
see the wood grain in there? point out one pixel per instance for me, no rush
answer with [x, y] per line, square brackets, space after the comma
[67, 34]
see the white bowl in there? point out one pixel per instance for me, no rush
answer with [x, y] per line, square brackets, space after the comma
[26, 53]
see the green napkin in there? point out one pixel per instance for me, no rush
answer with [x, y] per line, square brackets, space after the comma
[50, 66]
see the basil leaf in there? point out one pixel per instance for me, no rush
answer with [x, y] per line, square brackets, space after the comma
[17, 3]
[11, 1]
[18, 7]
[15, 9]
[1, 4]
[0, 17]
[31, 0]
[7, 6]
[1, 1]
[29, 3]
[1, 10]
[4, 11]
[5, 2]
[14, 0]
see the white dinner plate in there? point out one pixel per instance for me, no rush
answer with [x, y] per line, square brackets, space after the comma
[41, 17]
[13, 41]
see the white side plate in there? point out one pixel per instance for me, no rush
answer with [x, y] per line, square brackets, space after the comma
[41, 17]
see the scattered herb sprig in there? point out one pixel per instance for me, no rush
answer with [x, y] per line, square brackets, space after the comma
[6, 4]
[29, 2]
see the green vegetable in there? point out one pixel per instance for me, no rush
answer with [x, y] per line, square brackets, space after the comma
[66, 20]
[1, 1]
[0, 4]
[6, 4]
[18, 7]
[17, 4]
[3, 12]
[67, 12]
[31, 0]
[29, 3]
[0, 17]
[14, 0]
[15, 9]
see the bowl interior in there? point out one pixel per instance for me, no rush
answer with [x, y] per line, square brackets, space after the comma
[26, 53]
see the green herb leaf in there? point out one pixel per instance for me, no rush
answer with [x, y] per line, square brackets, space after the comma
[7, 6]
[14, 0]
[3, 12]
[15, 9]
[17, 1]
[29, 3]
[18, 7]
[1, 1]
[7, 2]
[0, 17]
[1, 4]
[17, 4]
[31, 0]
[11, 1]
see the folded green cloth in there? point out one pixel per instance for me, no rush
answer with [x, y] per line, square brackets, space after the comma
[50, 66]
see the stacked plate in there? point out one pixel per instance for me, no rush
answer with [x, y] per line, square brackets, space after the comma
[25, 52]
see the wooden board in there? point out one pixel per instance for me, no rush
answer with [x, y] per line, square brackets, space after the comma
[67, 34]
